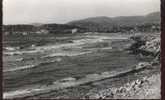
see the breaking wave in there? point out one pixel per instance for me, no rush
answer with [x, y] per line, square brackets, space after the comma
[19, 68]
[15, 51]
[66, 54]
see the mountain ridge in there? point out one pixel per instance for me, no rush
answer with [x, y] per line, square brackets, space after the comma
[109, 22]
[93, 24]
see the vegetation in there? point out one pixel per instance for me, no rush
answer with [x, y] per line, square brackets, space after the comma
[127, 24]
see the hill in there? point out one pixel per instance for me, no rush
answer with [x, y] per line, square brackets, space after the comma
[104, 23]
[93, 24]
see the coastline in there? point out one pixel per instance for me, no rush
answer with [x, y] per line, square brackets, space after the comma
[145, 88]
[75, 91]
[149, 87]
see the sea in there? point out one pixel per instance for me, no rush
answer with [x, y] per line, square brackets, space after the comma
[38, 64]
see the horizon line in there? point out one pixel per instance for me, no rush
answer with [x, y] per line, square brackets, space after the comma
[79, 19]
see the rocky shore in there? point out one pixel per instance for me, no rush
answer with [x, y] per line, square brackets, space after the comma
[146, 45]
[146, 88]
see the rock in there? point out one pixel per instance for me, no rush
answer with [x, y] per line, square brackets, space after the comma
[138, 82]
[155, 62]
[96, 96]
[137, 88]
[132, 84]
[146, 46]
[152, 45]
[123, 90]
[142, 65]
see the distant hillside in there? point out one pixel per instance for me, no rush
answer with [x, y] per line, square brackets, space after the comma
[94, 24]
[59, 28]
[108, 23]
[19, 28]
[153, 17]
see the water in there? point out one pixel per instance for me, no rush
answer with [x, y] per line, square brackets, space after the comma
[37, 66]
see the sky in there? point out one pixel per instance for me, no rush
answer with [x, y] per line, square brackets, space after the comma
[63, 11]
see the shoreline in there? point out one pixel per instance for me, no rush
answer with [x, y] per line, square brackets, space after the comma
[146, 88]
[72, 82]
[52, 94]
[149, 87]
